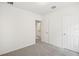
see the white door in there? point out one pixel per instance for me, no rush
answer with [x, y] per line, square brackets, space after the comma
[45, 31]
[71, 32]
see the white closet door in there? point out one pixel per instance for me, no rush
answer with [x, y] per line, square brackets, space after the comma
[71, 32]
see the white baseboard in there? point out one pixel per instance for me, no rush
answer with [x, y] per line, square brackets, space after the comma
[4, 52]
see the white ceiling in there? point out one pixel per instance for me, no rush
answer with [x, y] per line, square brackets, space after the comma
[36, 7]
[42, 8]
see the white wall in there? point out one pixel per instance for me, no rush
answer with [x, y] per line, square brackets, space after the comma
[56, 25]
[17, 28]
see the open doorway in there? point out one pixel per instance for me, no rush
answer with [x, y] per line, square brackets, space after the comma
[38, 31]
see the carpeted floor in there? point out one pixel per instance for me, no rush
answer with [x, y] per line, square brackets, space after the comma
[42, 49]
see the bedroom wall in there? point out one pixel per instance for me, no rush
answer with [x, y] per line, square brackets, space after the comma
[17, 28]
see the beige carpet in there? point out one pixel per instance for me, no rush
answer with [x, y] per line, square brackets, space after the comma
[42, 49]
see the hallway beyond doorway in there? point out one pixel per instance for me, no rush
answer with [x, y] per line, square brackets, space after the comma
[38, 30]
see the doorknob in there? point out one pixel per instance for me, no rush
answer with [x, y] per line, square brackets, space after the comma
[64, 33]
